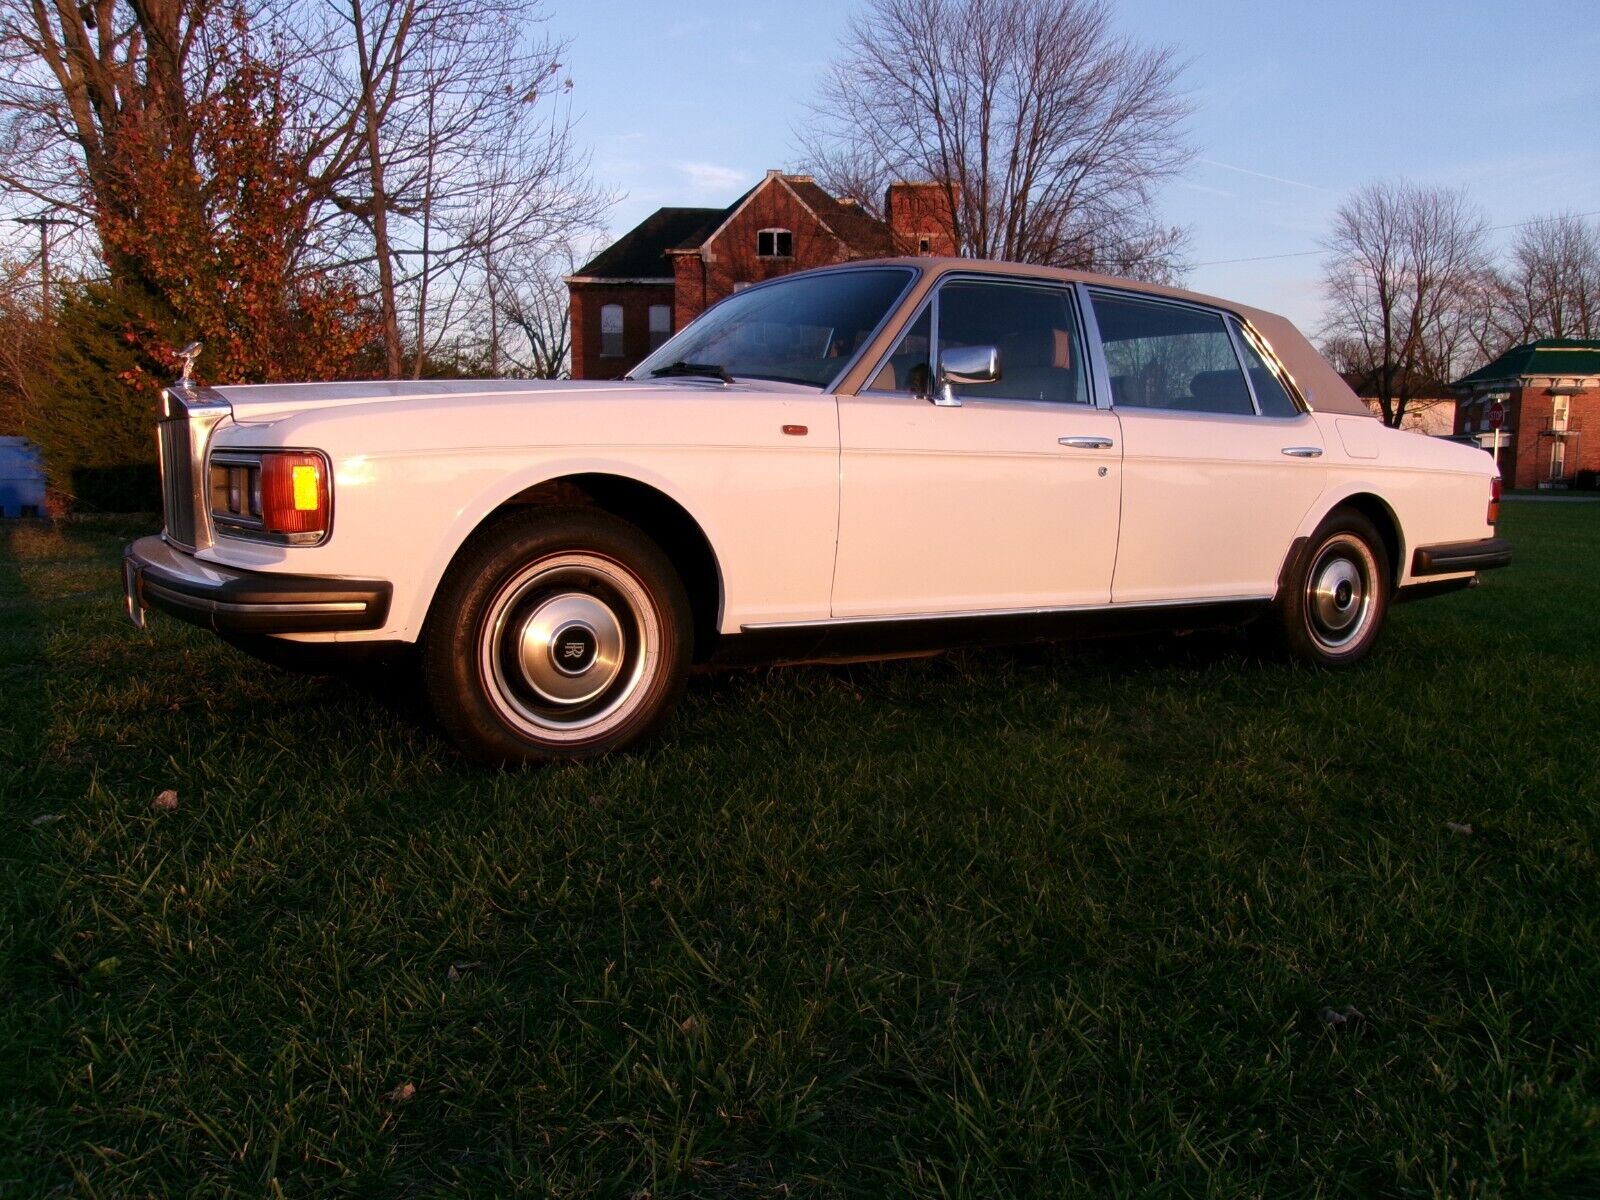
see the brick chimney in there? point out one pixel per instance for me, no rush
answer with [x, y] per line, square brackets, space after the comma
[918, 216]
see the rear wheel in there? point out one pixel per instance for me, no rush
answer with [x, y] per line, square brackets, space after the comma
[557, 633]
[1332, 608]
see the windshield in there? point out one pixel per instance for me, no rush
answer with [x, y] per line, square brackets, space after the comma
[804, 329]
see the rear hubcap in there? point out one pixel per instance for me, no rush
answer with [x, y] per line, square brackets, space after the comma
[1339, 593]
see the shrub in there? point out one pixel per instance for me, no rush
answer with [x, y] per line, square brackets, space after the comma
[92, 411]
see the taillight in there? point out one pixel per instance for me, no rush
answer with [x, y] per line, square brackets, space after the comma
[294, 493]
[1494, 501]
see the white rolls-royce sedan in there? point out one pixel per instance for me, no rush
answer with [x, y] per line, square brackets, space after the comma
[871, 459]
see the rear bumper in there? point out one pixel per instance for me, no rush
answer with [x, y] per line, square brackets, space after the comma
[230, 600]
[1448, 558]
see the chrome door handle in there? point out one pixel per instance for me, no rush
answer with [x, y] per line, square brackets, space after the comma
[1086, 443]
[1303, 451]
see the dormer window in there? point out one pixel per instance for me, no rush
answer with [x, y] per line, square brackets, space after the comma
[775, 243]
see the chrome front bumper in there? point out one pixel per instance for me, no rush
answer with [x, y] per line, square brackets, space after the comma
[157, 575]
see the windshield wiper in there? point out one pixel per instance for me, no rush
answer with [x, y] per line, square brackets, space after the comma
[708, 370]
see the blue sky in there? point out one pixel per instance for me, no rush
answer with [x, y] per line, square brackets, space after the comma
[1296, 103]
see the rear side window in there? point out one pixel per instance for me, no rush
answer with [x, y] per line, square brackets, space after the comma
[1271, 395]
[1170, 356]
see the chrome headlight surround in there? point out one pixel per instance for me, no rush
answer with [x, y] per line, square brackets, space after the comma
[238, 506]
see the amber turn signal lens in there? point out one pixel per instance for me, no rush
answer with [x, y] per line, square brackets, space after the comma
[1494, 501]
[294, 492]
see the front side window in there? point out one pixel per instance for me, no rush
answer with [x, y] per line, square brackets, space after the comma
[1170, 356]
[799, 329]
[775, 243]
[1035, 329]
[611, 331]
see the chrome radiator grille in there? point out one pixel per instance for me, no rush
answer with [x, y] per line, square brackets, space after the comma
[177, 480]
[183, 432]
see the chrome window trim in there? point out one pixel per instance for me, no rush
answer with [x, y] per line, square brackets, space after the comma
[930, 303]
[1052, 610]
[1274, 364]
[1231, 326]
[1101, 374]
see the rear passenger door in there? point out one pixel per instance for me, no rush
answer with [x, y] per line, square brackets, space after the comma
[1220, 463]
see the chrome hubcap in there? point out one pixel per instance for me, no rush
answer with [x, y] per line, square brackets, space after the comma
[1339, 593]
[569, 648]
[566, 646]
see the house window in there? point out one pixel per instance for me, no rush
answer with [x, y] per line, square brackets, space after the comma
[774, 243]
[660, 324]
[924, 245]
[611, 331]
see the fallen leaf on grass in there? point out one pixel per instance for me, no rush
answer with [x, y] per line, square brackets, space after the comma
[401, 1094]
[47, 818]
[1459, 827]
[458, 969]
[688, 1025]
[1339, 1018]
[167, 801]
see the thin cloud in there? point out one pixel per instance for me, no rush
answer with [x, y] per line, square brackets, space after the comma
[706, 177]
[1209, 191]
[1310, 187]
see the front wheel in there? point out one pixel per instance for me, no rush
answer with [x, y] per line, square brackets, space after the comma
[557, 633]
[1333, 606]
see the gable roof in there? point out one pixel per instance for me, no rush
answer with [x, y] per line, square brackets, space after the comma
[641, 253]
[1547, 356]
[850, 223]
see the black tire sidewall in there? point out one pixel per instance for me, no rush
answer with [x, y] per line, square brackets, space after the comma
[1293, 617]
[492, 556]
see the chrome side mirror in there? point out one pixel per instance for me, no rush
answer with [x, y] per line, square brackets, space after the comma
[965, 364]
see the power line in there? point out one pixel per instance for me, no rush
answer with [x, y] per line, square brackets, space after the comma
[1223, 262]
[43, 221]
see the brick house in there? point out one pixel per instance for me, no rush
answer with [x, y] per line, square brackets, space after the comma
[1432, 412]
[677, 262]
[1551, 393]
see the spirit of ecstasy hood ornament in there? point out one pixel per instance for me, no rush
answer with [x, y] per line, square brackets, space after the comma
[188, 354]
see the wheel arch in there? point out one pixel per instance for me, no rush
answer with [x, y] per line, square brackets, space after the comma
[1370, 505]
[657, 514]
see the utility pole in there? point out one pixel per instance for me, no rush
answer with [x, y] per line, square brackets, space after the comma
[43, 222]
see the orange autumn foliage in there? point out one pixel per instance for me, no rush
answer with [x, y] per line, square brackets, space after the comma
[217, 235]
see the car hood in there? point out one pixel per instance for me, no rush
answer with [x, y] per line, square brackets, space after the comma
[267, 402]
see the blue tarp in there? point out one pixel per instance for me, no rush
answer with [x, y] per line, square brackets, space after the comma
[21, 478]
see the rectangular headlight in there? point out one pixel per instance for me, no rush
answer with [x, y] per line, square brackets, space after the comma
[282, 496]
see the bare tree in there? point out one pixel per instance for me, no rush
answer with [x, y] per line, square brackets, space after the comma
[1049, 131]
[1551, 287]
[1403, 276]
[419, 131]
[444, 126]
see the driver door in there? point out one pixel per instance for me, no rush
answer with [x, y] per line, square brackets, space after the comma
[1004, 496]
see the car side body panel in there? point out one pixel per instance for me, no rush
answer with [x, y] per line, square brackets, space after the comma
[837, 505]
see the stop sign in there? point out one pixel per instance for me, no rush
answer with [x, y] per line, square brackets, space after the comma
[1497, 414]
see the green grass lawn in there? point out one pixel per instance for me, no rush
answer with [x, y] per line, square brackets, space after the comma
[1042, 922]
